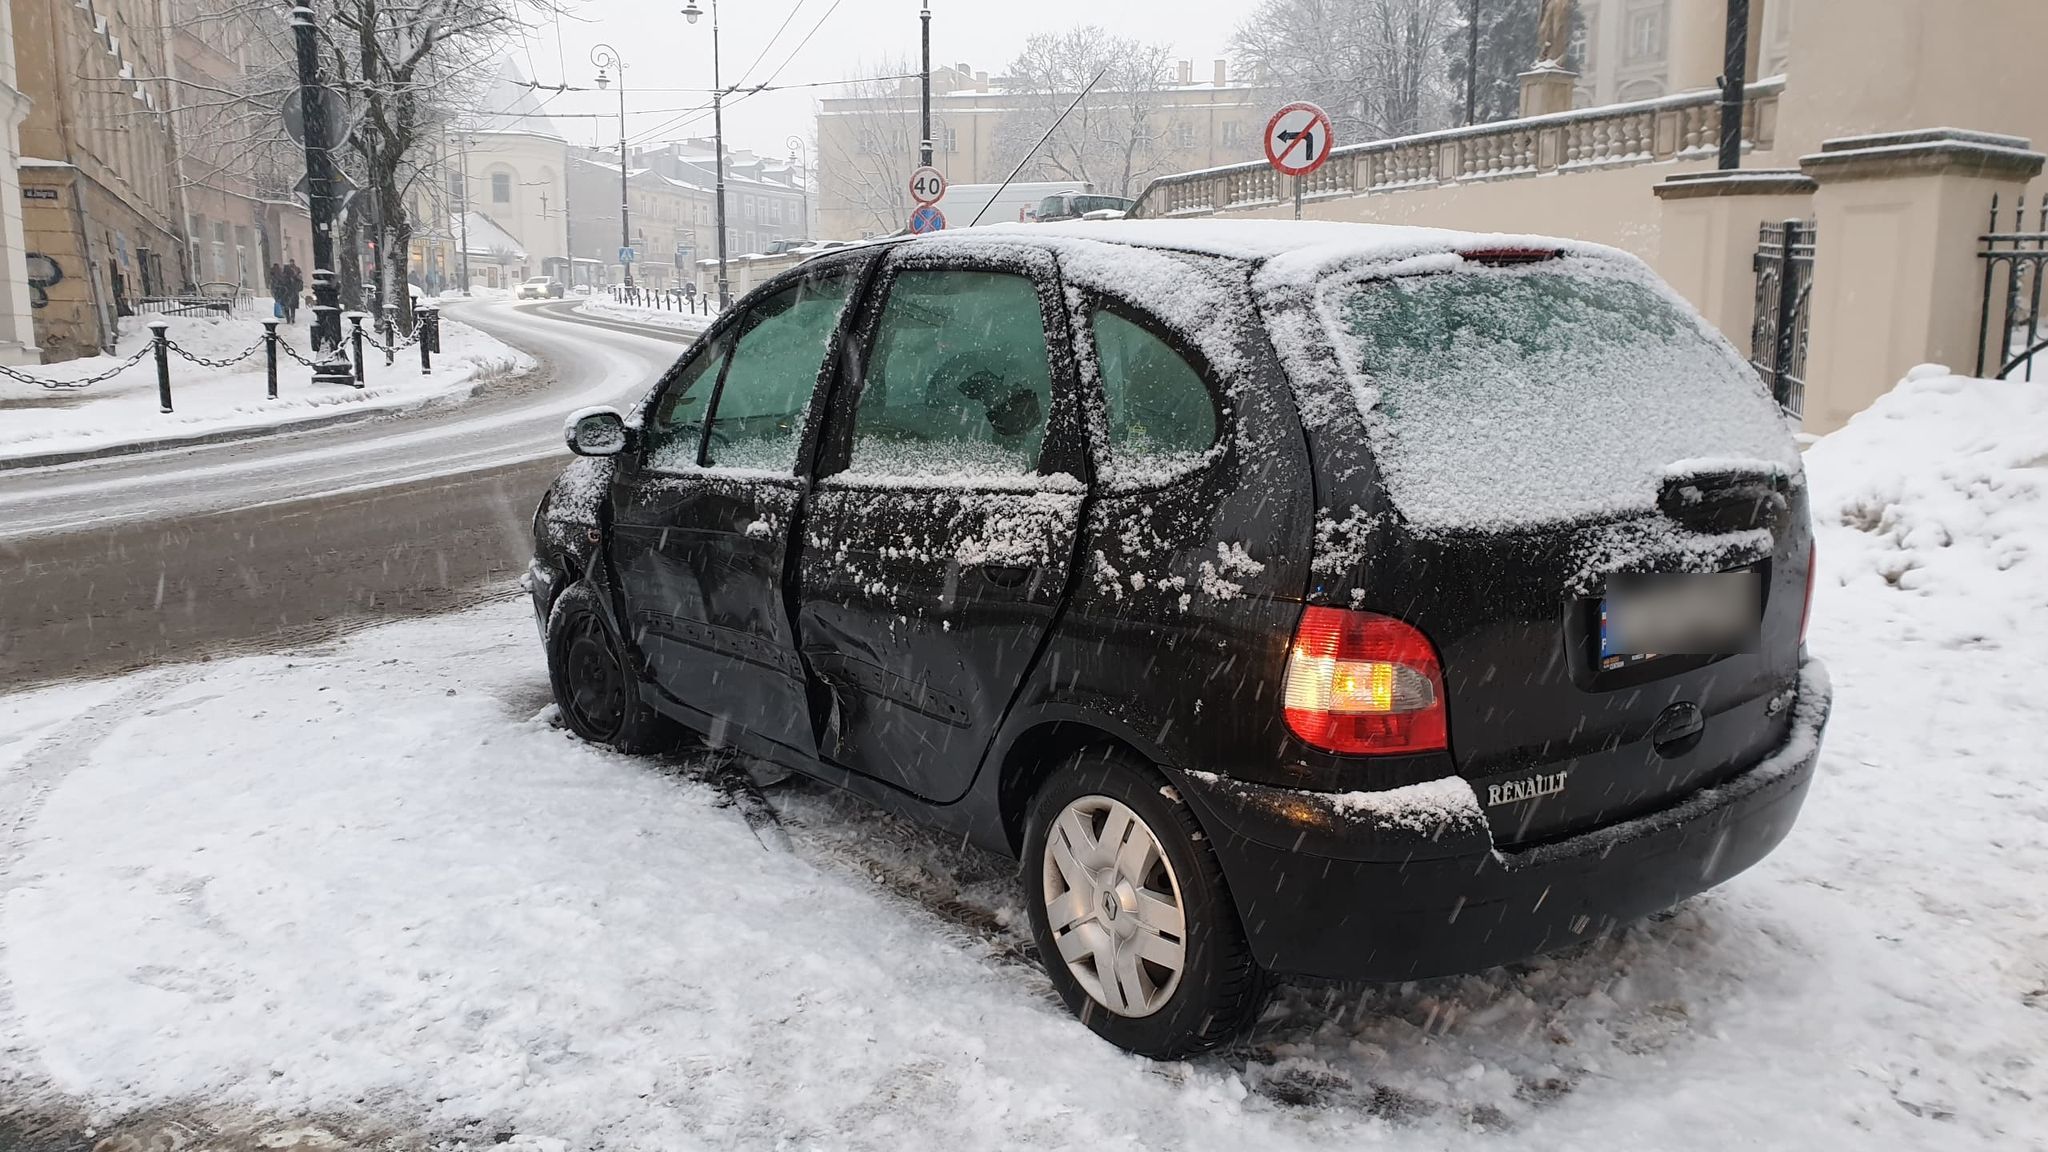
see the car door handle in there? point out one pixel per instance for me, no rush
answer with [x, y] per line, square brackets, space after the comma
[1008, 575]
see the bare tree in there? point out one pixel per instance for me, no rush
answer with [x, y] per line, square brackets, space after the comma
[1376, 66]
[412, 69]
[867, 147]
[1116, 137]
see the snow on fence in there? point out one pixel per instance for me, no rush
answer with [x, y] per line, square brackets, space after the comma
[1614, 135]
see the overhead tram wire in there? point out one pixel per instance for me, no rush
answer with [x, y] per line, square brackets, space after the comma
[770, 85]
[793, 10]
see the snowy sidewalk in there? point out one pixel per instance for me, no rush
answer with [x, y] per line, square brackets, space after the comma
[371, 881]
[123, 412]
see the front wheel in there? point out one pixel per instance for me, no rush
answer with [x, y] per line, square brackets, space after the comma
[593, 682]
[1133, 920]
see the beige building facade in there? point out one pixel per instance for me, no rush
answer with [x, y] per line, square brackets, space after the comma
[868, 143]
[17, 323]
[100, 210]
[234, 176]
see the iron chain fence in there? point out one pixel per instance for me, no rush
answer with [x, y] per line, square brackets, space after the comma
[82, 382]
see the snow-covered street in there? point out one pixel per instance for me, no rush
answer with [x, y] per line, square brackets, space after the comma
[370, 882]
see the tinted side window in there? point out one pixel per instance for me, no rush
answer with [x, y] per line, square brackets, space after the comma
[959, 382]
[760, 412]
[1159, 407]
[676, 426]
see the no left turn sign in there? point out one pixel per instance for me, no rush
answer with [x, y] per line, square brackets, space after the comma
[1299, 138]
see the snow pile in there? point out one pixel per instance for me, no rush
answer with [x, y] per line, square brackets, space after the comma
[124, 410]
[1942, 486]
[601, 306]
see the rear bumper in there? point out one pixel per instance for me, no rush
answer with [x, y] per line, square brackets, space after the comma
[1373, 888]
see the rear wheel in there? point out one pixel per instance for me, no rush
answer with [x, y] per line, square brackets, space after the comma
[593, 683]
[1134, 922]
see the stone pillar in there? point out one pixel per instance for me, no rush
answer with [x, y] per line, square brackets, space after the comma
[1547, 90]
[1710, 223]
[1897, 281]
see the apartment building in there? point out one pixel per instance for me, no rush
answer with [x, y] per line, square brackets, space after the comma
[98, 169]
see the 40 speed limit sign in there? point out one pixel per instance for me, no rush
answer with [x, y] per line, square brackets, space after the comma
[927, 185]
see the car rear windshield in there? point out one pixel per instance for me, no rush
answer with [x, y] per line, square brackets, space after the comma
[1502, 397]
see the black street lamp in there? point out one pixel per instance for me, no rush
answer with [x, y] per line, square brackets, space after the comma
[332, 366]
[606, 56]
[691, 13]
[803, 184]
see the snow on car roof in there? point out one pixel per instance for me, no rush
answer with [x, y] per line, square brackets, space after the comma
[1310, 245]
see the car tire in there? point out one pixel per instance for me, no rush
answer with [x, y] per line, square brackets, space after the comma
[1152, 1009]
[593, 680]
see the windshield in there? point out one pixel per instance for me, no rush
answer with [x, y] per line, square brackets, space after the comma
[1542, 394]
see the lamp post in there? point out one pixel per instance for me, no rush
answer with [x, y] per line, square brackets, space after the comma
[1733, 82]
[606, 56]
[691, 13]
[332, 366]
[796, 144]
[924, 148]
[462, 218]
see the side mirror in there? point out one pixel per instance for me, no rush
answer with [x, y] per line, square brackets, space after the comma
[595, 432]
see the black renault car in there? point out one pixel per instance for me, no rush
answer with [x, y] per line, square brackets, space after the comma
[1315, 599]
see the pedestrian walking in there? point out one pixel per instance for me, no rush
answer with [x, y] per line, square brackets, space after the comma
[295, 286]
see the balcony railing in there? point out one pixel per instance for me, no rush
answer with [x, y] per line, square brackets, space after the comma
[1616, 135]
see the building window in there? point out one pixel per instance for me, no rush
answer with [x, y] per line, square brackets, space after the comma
[949, 138]
[1183, 135]
[1233, 134]
[748, 204]
[455, 193]
[1645, 35]
[501, 187]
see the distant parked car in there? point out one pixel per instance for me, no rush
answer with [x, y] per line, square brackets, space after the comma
[1351, 602]
[1075, 205]
[582, 290]
[541, 288]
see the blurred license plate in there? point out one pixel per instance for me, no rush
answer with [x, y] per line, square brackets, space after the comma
[1680, 614]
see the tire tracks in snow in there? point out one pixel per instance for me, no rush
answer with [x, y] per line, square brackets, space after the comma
[23, 793]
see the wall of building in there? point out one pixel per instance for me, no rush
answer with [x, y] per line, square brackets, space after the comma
[530, 172]
[17, 322]
[867, 145]
[118, 200]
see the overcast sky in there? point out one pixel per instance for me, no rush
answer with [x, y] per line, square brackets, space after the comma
[845, 38]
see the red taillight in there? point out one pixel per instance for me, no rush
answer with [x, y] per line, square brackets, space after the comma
[1363, 683]
[1812, 566]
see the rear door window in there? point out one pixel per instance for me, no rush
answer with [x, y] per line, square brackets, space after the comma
[959, 382]
[1158, 408]
[758, 420]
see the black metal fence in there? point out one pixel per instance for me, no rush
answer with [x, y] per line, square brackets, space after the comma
[1784, 295]
[2012, 331]
[662, 299]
